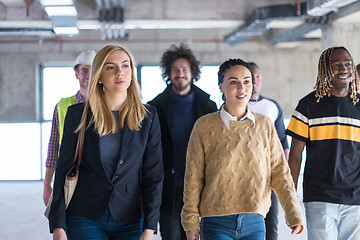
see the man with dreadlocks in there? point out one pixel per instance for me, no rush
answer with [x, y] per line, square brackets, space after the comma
[327, 122]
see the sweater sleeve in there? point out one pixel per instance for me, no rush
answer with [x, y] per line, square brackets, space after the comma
[282, 183]
[194, 180]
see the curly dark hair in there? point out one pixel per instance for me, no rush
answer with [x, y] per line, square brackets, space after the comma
[174, 53]
[229, 63]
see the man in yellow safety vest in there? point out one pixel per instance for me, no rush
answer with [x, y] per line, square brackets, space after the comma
[82, 66]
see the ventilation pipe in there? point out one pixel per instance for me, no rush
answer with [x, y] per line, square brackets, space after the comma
[260, 17]
[323, 7]
[111, 18]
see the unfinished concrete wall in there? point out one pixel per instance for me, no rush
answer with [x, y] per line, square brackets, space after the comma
[18, 93]
[343, 34]
[288, 74]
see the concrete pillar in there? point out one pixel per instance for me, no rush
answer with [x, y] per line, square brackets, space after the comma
[345, 34]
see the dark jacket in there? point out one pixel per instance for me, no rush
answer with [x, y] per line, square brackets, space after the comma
[203, 105]
[133, 193]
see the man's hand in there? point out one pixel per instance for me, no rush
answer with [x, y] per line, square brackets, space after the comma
[46, 194]
[49, 173]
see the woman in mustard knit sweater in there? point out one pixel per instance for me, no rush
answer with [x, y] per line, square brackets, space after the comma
[234, 159]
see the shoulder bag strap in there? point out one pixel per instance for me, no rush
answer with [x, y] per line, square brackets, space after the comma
[74, 170]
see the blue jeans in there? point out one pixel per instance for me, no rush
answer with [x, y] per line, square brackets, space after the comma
[105, 228]
[245, 226]
[332, 221]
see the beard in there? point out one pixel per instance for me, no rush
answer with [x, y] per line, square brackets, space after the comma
[179, 87]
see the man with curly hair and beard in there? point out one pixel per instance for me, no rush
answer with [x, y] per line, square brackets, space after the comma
[178, 107]
[327, 122]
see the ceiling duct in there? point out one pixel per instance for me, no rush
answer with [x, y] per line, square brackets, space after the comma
[260, 17]
[318, 8]
[323, 7]
[297, 33]
[30, 31]
[111, 18]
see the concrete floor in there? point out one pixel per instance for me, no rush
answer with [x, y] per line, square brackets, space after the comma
[22, 208]
[21, 211]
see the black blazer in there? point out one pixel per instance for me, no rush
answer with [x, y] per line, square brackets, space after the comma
[135, 190]
[203, 105]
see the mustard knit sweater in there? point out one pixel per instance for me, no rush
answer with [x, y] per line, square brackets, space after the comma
[232, 171]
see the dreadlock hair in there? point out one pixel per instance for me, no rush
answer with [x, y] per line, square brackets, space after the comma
[325, 76]
[174, 53]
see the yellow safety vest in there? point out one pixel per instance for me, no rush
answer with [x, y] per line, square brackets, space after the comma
[62, 107]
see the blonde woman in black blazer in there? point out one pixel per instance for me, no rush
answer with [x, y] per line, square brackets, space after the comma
[118, 194]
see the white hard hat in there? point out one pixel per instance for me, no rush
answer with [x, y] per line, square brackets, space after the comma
[85, 57]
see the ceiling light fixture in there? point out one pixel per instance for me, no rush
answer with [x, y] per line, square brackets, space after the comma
[60, 11]
[63, 15]
[56, 2]
[66, 31]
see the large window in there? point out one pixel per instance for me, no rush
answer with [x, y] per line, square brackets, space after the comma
[20, 151]
[23, 146]
[152, 83]
[209, 83]
[58, 82]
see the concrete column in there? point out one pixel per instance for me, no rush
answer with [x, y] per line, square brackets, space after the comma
[345, 34]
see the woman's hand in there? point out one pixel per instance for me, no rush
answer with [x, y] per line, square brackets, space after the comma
[59, 234]
[296, 229]
[148, 234]
[192, 234]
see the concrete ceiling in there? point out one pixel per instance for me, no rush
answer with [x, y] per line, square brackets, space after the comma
[160, 20]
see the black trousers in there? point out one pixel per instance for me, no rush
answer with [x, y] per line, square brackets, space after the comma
[170, 225]
[271, 220]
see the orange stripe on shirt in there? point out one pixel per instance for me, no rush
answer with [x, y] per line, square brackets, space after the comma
[335, 132]
[298, 127]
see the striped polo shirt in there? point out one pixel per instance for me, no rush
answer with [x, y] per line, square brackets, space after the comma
[331, 131]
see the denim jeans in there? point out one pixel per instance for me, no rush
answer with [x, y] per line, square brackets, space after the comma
[332, 221]
[170, 225]
[105, 228]
[245, 226]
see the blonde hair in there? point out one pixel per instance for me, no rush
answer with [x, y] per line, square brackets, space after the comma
[132, 111]
[325, 75]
